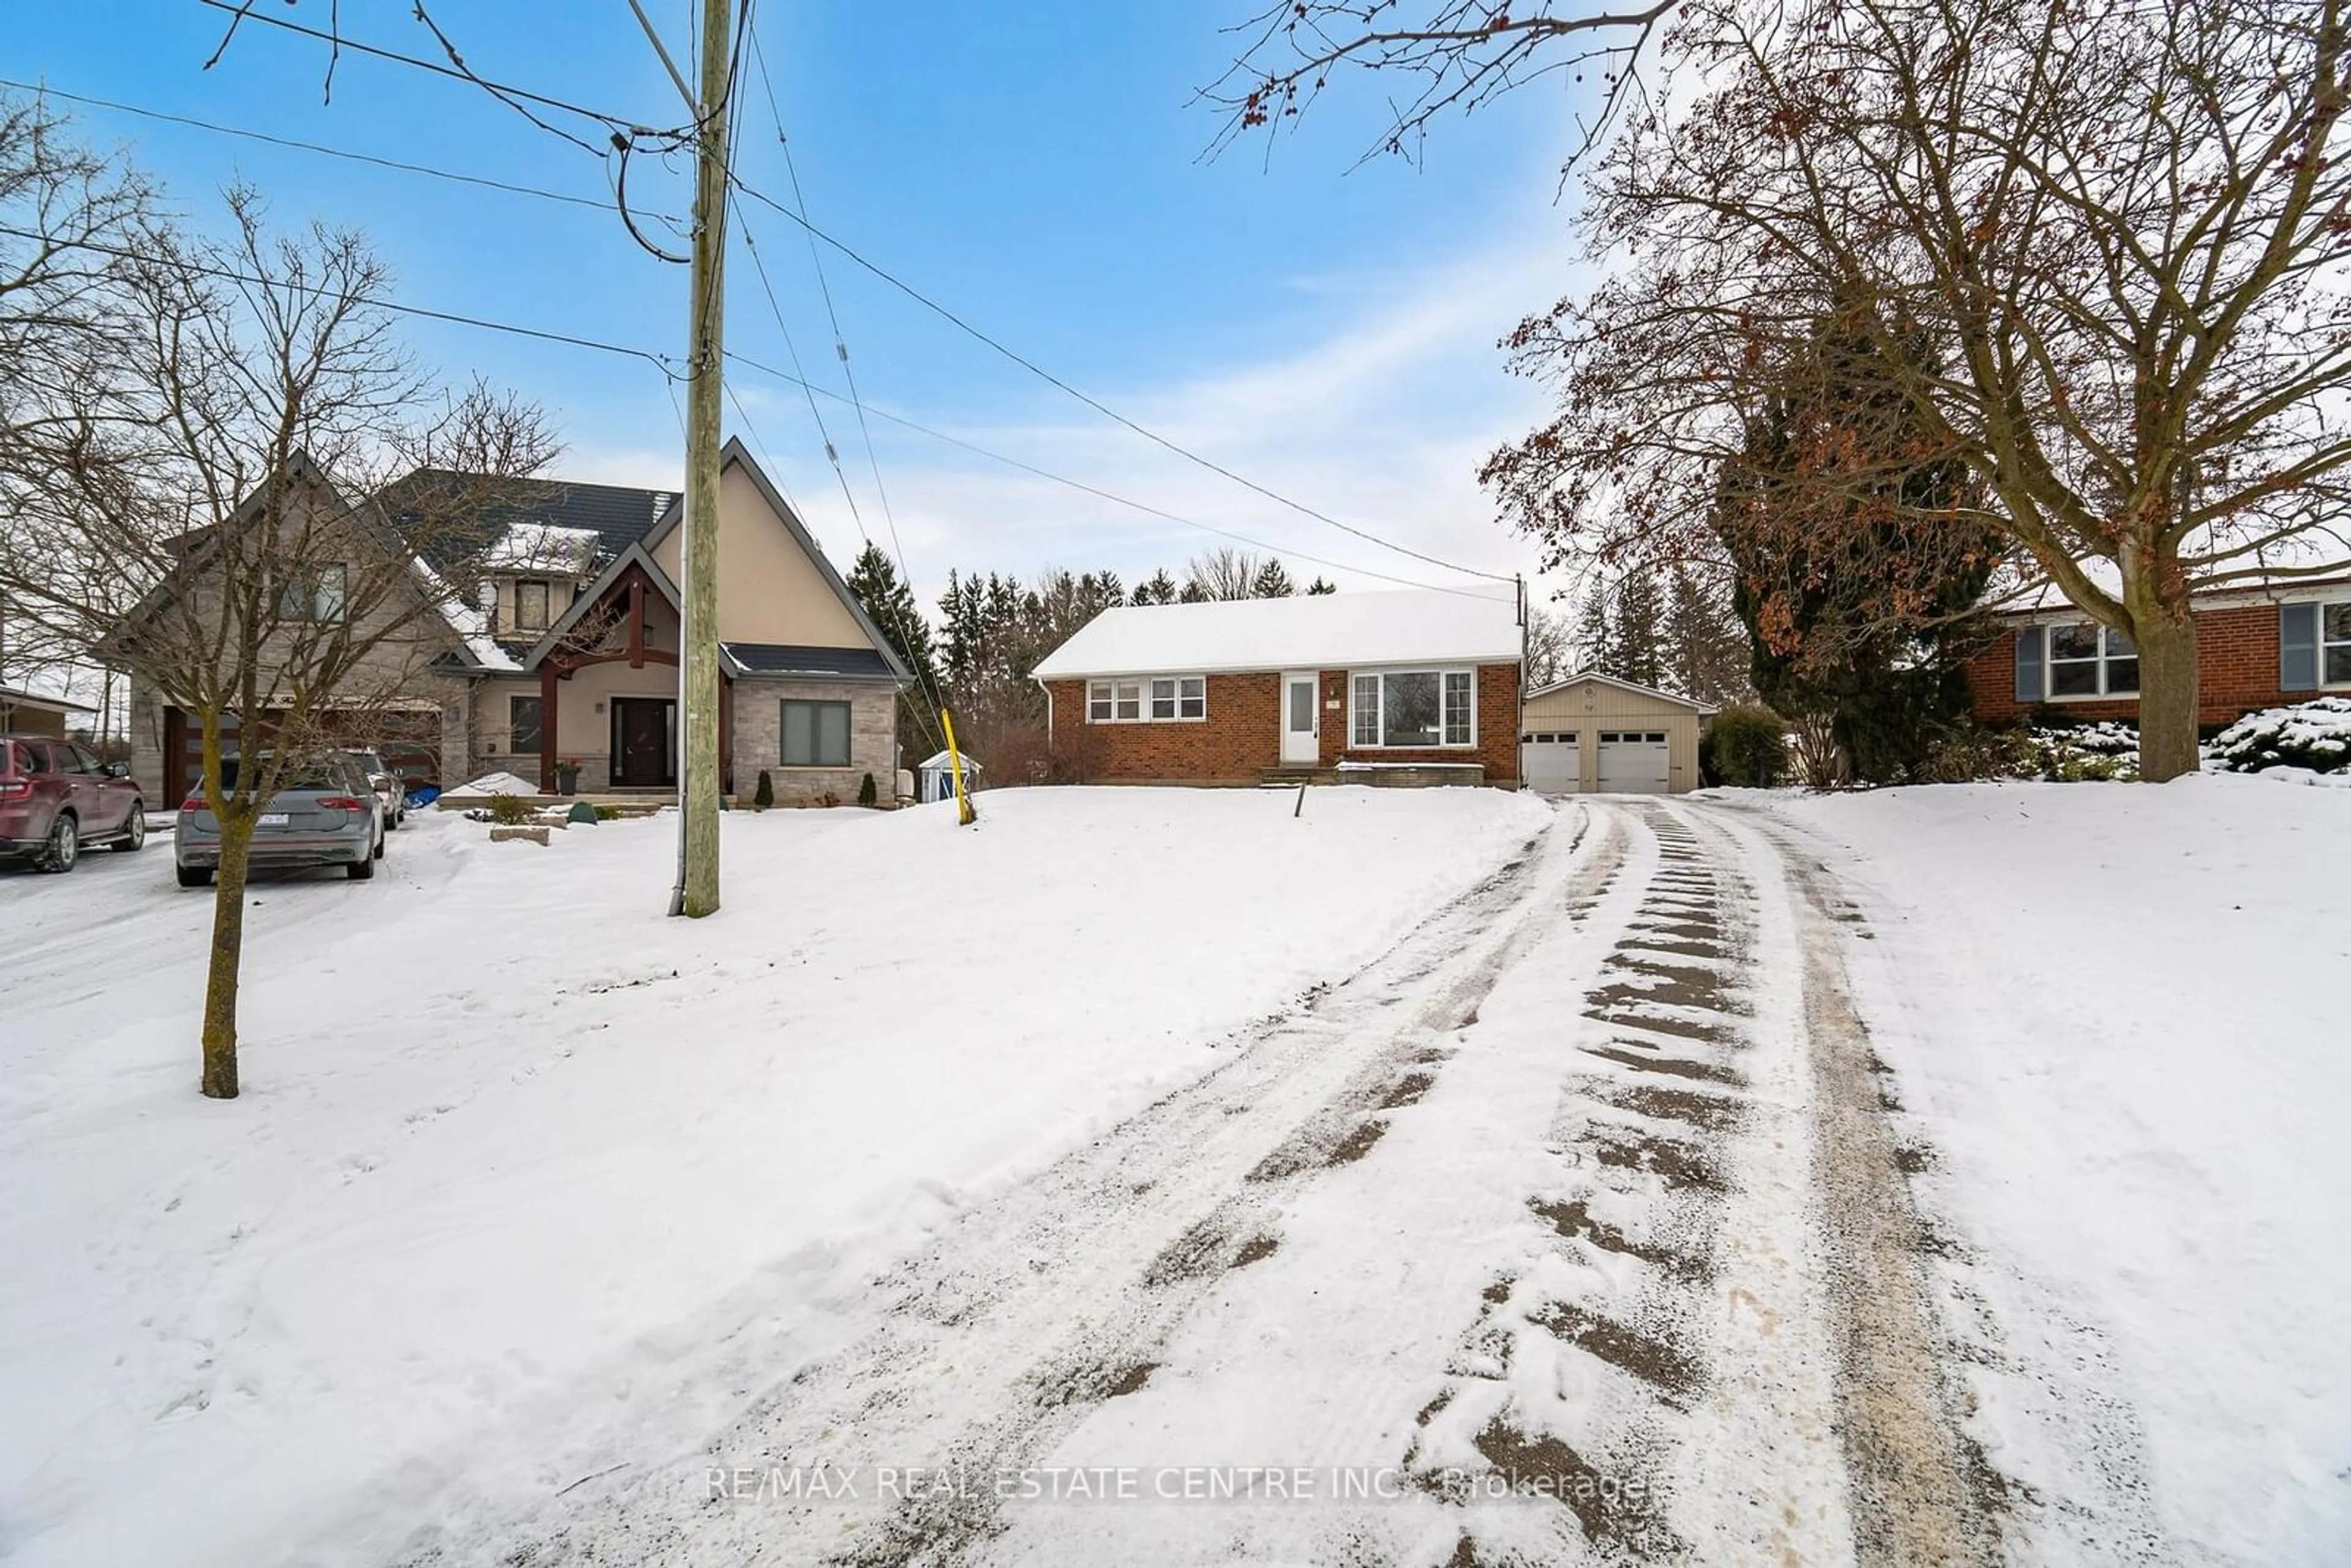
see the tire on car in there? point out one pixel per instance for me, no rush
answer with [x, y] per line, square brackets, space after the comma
[134, 831]
[64, 845]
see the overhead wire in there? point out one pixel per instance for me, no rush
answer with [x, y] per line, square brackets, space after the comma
[663, 362]
[1095, 403]
[841, 349]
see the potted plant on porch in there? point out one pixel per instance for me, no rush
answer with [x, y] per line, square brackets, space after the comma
[567, 776]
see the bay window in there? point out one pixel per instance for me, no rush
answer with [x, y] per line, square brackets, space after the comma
[1414, 708]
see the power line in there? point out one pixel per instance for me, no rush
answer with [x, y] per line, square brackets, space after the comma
[1104, 408]
[1094, 491]
[841, 349]
[299, 146]
[662, 364]
[832, 455]
[840, 340]
[458, 71]
[376, 301]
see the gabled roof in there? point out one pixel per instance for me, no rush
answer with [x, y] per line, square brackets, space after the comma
[634, 555]
[1582, 676]
[1322, 631]
[193, 548]
[733, 454]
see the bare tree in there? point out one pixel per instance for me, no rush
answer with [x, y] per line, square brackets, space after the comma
[217, 517]
[1224, 572]
[1551, 647]
[1454, 56]
[2122, 230]
[64, 211]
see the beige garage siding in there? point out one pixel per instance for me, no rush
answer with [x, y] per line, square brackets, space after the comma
[1590, 706]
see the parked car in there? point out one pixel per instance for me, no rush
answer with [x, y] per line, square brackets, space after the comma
[55, 798]
[386, 784]
[323, 814]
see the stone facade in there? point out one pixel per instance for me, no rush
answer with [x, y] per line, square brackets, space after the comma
[1242, 735]
[757, 740]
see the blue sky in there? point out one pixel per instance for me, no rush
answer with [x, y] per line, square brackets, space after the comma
[1325, 328]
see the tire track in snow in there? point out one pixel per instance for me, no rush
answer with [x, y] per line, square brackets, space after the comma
[1918, 1488]
[1051, 1300]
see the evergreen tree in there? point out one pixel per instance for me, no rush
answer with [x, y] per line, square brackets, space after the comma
[1321, 585]
[1706, 649]
[889, 604]
[1272, 581]
[1157, 588]
[1595, 640]
[1637, 629]
[1193, 592]
[1860, 555]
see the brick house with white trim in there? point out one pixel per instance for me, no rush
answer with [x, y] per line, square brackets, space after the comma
[1408, 686]
[2256, 648]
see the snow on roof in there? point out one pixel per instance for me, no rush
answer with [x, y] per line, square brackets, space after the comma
[939, 760]
[470, 622]
[1320, 630]
[1581, 677]
[543, 546]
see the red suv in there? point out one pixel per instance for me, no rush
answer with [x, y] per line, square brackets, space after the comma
[55, 798]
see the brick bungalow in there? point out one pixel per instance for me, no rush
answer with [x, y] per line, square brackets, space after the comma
[2256, 648]
[1415, 686]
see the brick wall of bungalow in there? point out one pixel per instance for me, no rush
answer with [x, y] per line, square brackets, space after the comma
[1242, 734]
[2237, 673]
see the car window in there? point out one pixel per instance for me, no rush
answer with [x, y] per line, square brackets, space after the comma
[37, 756]
[78, 761]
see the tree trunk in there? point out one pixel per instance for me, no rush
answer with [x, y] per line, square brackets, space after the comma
[228, 952]
[2166, 693]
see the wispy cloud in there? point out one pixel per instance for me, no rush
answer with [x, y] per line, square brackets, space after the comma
[1380, 418]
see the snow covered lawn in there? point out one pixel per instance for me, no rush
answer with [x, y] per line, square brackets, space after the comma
[522, 1164]
[2116, 1015]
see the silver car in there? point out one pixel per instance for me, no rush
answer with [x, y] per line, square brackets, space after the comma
[324, 813]
[385, 783]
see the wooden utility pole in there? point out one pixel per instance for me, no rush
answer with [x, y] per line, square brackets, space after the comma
[697, 674]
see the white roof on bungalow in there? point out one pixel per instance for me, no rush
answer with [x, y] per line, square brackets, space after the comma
[1321, 631]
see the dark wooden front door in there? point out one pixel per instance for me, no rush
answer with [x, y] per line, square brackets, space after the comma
[641, 752]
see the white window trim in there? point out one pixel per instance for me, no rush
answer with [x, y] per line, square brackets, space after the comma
[2049, 663]
[1383, 672]
[2324, 642]
[1141, 685]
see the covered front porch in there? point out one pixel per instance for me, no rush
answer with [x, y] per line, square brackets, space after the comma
[606, 708]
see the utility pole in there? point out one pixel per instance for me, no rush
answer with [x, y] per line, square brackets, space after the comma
[697, 665]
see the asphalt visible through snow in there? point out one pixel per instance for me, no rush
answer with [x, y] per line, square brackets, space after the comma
[1570, 1230]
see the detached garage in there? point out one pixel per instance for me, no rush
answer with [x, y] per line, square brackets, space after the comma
[1593, 734]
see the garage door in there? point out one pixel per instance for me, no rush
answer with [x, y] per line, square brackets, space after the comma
[1554, 762]
[1633, 762]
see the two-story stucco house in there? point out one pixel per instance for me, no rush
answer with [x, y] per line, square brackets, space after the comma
[566, 651]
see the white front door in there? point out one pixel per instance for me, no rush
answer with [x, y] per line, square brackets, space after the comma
[1301, 719]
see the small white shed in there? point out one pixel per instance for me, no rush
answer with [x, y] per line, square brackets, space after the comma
[934, 780]
[1594, 734]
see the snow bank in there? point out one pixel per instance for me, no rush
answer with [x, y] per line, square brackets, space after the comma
[496, 784]
[528, 1175]
[2117, 1014]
